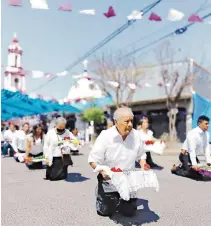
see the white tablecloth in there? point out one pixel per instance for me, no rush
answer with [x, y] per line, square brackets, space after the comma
[129, 182]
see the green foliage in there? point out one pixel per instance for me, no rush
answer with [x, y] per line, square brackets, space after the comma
[93, 114]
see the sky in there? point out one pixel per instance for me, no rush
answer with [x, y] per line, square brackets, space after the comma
[51, 40]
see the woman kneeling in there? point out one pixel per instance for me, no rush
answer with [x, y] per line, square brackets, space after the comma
[57, 151]
[34, 148]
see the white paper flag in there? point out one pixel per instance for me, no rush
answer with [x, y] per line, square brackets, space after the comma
[84, 75]
[39, 4]
[175, 15]
[33, 95]
[167, 84]
[37, 74]
[132, 85]
[88, 11]
[61, 101]
[135, 15]
[64, 73]
[147, 85]
[83, 101]
[114, 84]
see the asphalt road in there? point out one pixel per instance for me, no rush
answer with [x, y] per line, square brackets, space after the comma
[27, 199]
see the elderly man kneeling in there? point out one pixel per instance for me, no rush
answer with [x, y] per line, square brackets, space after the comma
[119, 146]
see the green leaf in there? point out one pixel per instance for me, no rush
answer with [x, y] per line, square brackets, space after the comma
[93, 114]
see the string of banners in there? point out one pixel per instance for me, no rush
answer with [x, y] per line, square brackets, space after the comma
[173, 14]
[113, 84]
[36, 74]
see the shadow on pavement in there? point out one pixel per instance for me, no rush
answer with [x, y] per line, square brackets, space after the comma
[77, 154]
[142, 216]
[76, 177]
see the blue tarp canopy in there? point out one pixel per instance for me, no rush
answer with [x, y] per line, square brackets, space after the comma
[202, 106]
[17, 105]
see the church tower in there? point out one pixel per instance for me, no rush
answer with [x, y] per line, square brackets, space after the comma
[14, 73]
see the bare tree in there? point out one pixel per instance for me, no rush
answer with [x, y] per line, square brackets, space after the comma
[118, 76]
[174, 81]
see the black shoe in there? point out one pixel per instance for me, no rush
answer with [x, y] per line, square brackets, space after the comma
[155, 166]
[104, 215]
[173, 169]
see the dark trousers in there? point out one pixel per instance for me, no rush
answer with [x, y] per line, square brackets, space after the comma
[5, 148]
[186, 161]
[149, 159]
[35, 165]
[185, 169]
[57, 171]
[108, 203]
[74, 152]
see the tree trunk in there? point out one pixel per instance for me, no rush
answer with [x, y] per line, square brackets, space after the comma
[130, 97]
[117, 98]
[172, 124]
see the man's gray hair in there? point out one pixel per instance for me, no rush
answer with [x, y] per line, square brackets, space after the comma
[60, 120]
[122, 112]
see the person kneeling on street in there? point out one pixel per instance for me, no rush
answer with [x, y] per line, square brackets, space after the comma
[76, 142]
[119, 146]
[57, 151]
[197, 141]
[34, 147]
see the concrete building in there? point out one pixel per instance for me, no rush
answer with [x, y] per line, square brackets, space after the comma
[151, 99]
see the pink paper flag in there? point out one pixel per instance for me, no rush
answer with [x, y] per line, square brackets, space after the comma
[194, 18]
[65, 7]
[160, 84]
[110, 12]
[154, 17]
[49, 76]
[15, 3]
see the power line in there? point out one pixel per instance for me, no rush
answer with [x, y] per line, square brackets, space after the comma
[103, 42]
[177, 32]
[147, 36]
[201, 8]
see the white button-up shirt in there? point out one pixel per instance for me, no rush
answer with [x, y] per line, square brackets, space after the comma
[19, 141]
[9, 135]
[110, 149]
[2, 137]
[196, 142]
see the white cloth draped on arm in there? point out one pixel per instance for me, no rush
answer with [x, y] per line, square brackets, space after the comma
[157, 147]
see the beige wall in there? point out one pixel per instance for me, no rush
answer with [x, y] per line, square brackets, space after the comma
[202, 82]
